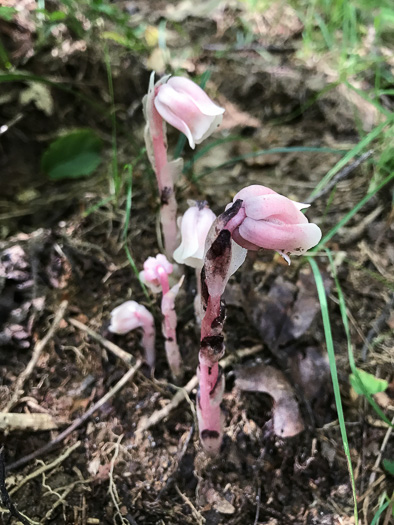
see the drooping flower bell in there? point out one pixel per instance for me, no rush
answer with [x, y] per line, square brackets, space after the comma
[195, 225]
[269, 220]
[184, 105]
[131, 315]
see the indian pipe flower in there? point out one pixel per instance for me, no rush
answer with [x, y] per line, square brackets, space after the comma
[269, 220]
[184, 105]
[155, 273]
[131, 315]
[195, 225]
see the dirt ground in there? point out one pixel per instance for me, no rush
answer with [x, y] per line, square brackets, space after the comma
[63, 259]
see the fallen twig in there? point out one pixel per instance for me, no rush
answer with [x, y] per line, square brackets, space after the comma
[32, 422]
[45, 468]
[38, 348]
[108, 345]
[78, 422]
[159, 415]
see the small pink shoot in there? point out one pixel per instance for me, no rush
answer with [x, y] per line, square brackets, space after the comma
[131, 315]
[155, 276]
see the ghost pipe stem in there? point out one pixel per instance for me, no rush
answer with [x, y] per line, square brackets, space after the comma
[166, 173]
[222, 258]
[169, 331]
[184, 105]
[155, 276]
[258, 218]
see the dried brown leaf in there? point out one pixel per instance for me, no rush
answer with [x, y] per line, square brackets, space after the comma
[269, 380]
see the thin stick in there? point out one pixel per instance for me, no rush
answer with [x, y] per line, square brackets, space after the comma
[197, 516]
[78, 422]
[46, 467]
[38, 348]
[341, 175]
[108, 345]
[164, 412]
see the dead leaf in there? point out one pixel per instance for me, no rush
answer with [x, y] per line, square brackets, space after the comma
[218, 502]
[304, 309]
[310, 370]
[268, 312]
[269, 380]
[40, 94]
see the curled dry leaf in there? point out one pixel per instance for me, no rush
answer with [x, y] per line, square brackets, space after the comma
[267, 379]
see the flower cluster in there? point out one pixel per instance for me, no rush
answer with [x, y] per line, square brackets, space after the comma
[257, 218]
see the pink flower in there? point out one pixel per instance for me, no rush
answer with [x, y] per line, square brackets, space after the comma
[155, 273]
[131, 315]
[195, 225]
[184, 105]
[272, 221]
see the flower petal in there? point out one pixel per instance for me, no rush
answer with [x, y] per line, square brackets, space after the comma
[287, 238]
[197, 94]
[275, 208]
[255, 190]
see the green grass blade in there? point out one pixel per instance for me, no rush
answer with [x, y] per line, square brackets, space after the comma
[352, 363]
[349, 155]
[136, 272]
[98, 205]
[334, 374]
[363, 95]
[129, 198]
[253, 154]
[380, 512]
[352, 212]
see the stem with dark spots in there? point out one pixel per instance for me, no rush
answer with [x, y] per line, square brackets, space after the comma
[164, 173]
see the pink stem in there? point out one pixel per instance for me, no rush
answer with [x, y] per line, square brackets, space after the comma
[169, 331]
[165, 182]
[163, 277]
[215, 274]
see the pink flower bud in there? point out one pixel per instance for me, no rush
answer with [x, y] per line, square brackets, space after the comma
[131, 315]
[155, 273]
[184, 105]
[195, 225]
[272, 221]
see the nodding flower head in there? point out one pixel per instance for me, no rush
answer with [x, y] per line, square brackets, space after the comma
[155, 273]
[129, 316]
[272, 221]
[187, 107]
[195, 225]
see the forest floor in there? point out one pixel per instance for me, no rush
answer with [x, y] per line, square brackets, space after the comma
[64, 267]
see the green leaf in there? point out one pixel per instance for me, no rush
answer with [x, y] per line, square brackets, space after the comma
[388, 466]
[7, 13]
[372, 385]
[71, 156]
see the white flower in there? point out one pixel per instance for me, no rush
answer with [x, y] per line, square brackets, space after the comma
[187, 107]
[195, 225]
